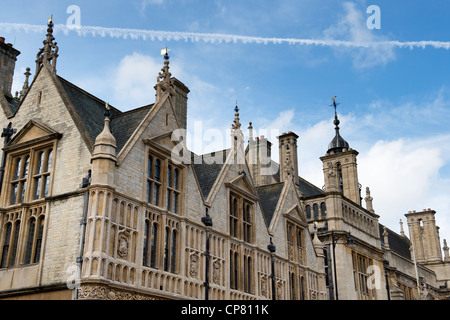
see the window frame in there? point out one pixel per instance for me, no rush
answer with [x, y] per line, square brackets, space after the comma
[30, 151]
[241, 217]
[167, 190]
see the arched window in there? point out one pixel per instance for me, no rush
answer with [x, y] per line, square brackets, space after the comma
[302, 288]
[292, 287]
[316, 211]
[6, 244]
[233, 270]
[39, 235]
[247, 274]
[308, 211]
[30, 238]
[340, 179]
[173, 252]
[12, 258]
[323, 210]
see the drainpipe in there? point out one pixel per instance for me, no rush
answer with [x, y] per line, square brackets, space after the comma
[85, 183]
[207, 221]
[272, 250]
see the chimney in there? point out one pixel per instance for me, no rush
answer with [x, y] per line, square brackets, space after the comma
[8, 58]
[287, 144]
[180, 97]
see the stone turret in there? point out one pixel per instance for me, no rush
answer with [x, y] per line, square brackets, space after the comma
[104, 155]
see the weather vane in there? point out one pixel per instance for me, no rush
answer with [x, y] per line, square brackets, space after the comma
[334, 105]
[165, 53]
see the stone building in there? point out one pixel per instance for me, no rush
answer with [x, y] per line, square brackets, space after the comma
[97, 203]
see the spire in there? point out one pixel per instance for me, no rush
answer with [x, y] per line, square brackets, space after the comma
[48, 54]
[338, 144]
[25, 84]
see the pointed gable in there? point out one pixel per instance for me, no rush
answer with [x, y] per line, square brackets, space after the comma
[34, 131]
[269, 196]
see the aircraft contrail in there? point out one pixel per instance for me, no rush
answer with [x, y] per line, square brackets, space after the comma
[153, 35]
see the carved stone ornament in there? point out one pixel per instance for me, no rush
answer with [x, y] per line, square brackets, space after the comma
[193, 268]
[96, 292]
[122, 248]
[264, 286]
[280, 291]
[216, 272]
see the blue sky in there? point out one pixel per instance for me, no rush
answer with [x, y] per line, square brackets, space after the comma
[394, 110]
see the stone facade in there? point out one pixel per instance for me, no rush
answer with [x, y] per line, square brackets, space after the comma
[101, 204]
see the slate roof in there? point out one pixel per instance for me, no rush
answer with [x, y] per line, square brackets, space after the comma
[90, 109]
[397, 243]
[308, 189]
[269, 196]
[123, 125]
[13, 103]
[208, 173]
[92, 113]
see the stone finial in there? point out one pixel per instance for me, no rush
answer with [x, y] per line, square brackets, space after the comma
[369, 199]
[386, 238]
[48, 54]
[446, 252]
[237, 140]
[25, 86]
[105, 143]
[163, 82]
[402, 232]
[236, 124]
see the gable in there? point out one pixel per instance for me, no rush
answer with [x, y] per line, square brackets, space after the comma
[295, 213]
[243, 185]
[157, 120]
[34, 131]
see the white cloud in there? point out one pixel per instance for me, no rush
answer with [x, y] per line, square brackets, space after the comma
[403, 173]
[352, 27]
[134, 79]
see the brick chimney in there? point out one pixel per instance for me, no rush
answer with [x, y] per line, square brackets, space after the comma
[8, 58]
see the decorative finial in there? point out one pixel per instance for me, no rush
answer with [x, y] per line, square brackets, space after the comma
[50, 22]
[402, 232]
[107, 110]
[236, 124]
[48, 54]
[165, 53]
[334, 104]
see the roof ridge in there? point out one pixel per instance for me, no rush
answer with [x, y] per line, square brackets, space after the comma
[125, 113]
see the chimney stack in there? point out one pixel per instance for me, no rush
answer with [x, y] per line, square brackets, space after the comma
[8, 58]
[287, 144]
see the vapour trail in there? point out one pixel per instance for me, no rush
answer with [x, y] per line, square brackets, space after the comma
[153, 35]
